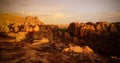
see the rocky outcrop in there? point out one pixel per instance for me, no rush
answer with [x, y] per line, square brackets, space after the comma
[30, 20]
[88, 29]
[41, 31]
[81, 29]
[102, 37]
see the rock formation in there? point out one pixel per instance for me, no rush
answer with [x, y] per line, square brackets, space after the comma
[86, 29]
[102, 37]
[28, 40]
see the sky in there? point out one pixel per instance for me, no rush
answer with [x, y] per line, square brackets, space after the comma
[65, 11]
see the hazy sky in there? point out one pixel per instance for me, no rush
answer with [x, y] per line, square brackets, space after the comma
[65, 11]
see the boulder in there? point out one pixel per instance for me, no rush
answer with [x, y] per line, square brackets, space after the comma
[78, 49]
[81, 29]
[73, 48]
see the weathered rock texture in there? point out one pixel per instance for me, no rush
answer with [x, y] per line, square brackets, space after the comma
[47, 53]
[103, 37]
[78, 49]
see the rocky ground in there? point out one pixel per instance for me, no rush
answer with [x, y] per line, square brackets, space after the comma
[80, 43]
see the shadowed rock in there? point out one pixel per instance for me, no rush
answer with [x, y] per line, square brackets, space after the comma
[102, 37]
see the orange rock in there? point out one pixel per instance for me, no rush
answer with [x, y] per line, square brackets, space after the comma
[36, 28]
[78, 49]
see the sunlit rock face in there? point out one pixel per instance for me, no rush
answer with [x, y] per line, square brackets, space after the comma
[78, 49]
[36, 28]
[33, 20]
[17, 23]
[41, 31]
[103, 37]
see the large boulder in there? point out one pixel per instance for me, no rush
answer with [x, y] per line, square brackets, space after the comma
[78, 49]
[81, 29]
